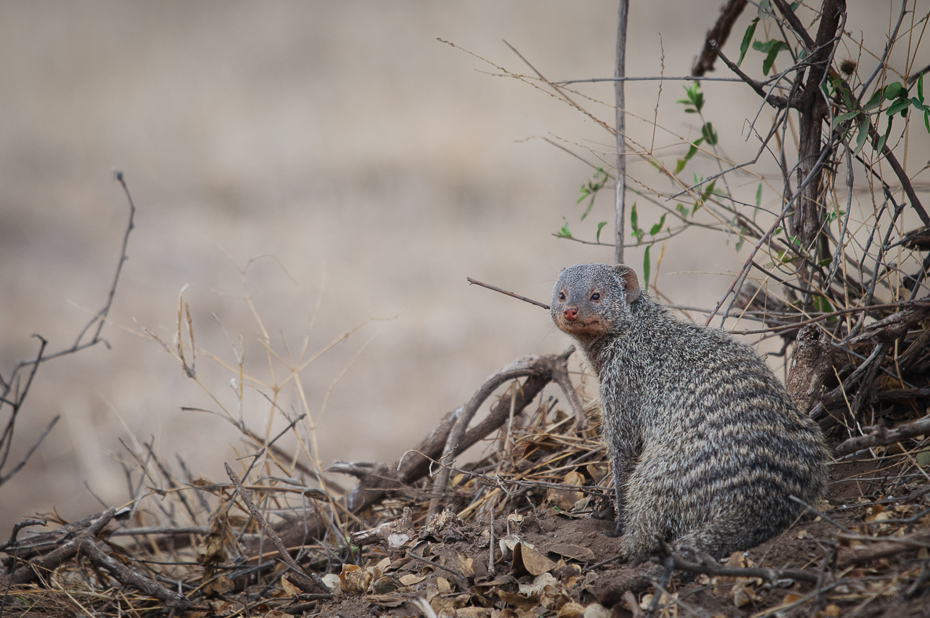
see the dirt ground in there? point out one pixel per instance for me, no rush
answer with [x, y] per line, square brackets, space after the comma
[895, 585]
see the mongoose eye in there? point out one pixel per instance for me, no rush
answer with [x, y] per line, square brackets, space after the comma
[596, 296]
[561, 295]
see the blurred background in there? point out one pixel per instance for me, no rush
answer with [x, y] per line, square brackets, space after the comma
[369, 168]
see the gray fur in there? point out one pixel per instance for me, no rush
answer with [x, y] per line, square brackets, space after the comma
[706, 444]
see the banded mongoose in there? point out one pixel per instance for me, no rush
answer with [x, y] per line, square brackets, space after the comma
[706, 444]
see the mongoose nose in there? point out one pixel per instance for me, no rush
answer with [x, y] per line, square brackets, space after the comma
[571, 314]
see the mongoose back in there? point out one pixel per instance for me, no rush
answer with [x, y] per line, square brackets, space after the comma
[706, 444]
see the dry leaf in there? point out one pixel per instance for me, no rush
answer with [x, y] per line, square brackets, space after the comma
[743, 593]
[530, 560]
[219, 585]
[565, 499]
[596, 610]
[289, 588]
[384, 585]
[473, 612]
[411, 579]
[333, 582]
[571, 610]
[355, 580]
[444, 586]
[539, 585]
[575, 552]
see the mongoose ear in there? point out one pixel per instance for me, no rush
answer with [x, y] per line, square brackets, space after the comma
[630, 282]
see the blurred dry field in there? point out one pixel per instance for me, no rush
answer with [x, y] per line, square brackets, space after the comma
[369, 167]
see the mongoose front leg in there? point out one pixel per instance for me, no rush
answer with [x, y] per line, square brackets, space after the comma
[624, 465]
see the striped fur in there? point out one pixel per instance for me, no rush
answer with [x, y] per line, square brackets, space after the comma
[706, 444]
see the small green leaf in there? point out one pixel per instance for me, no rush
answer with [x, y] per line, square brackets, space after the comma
[634, 225]
[564, 232]
[747, 39]
[874, 102]
[708, 133]
[655, 229]
[770, 58]
[646, 269]
[823, 305]
[899, 105]
[759, 196]
[600, 226]
[893, 89]
[844, 116]
[923, 459]
[765, 9]
[880, 144]
[863, 134]
[920, 88]
[825, 261]
[682, 210]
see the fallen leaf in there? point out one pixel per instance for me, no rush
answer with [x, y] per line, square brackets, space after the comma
[575, 552]
[411, 579]
[355, 580]
[538, 585]
[333, 582]
[596, 610]
[530, 560]
[290, 588]
[565, 499]
[571, 610]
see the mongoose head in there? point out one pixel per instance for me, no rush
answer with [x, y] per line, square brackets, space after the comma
[592, 300]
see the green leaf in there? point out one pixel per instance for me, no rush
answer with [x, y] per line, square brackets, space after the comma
[923, 459]
[708, 133]
[770, 58]
[655, 229]
[747, 39]
[863, 134]
[844, 116]
[825, 262]
[920, 88]
[927, 121]
[894, 89]
[708, 190]
[600, 226]
[759, 196]
[634, 225]
[880, 144]
[823, 305]
[682, 210]
[874, 102]
[680, 164]
[765, 9]
[646, 269]
[899, 105]
[564, 232]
